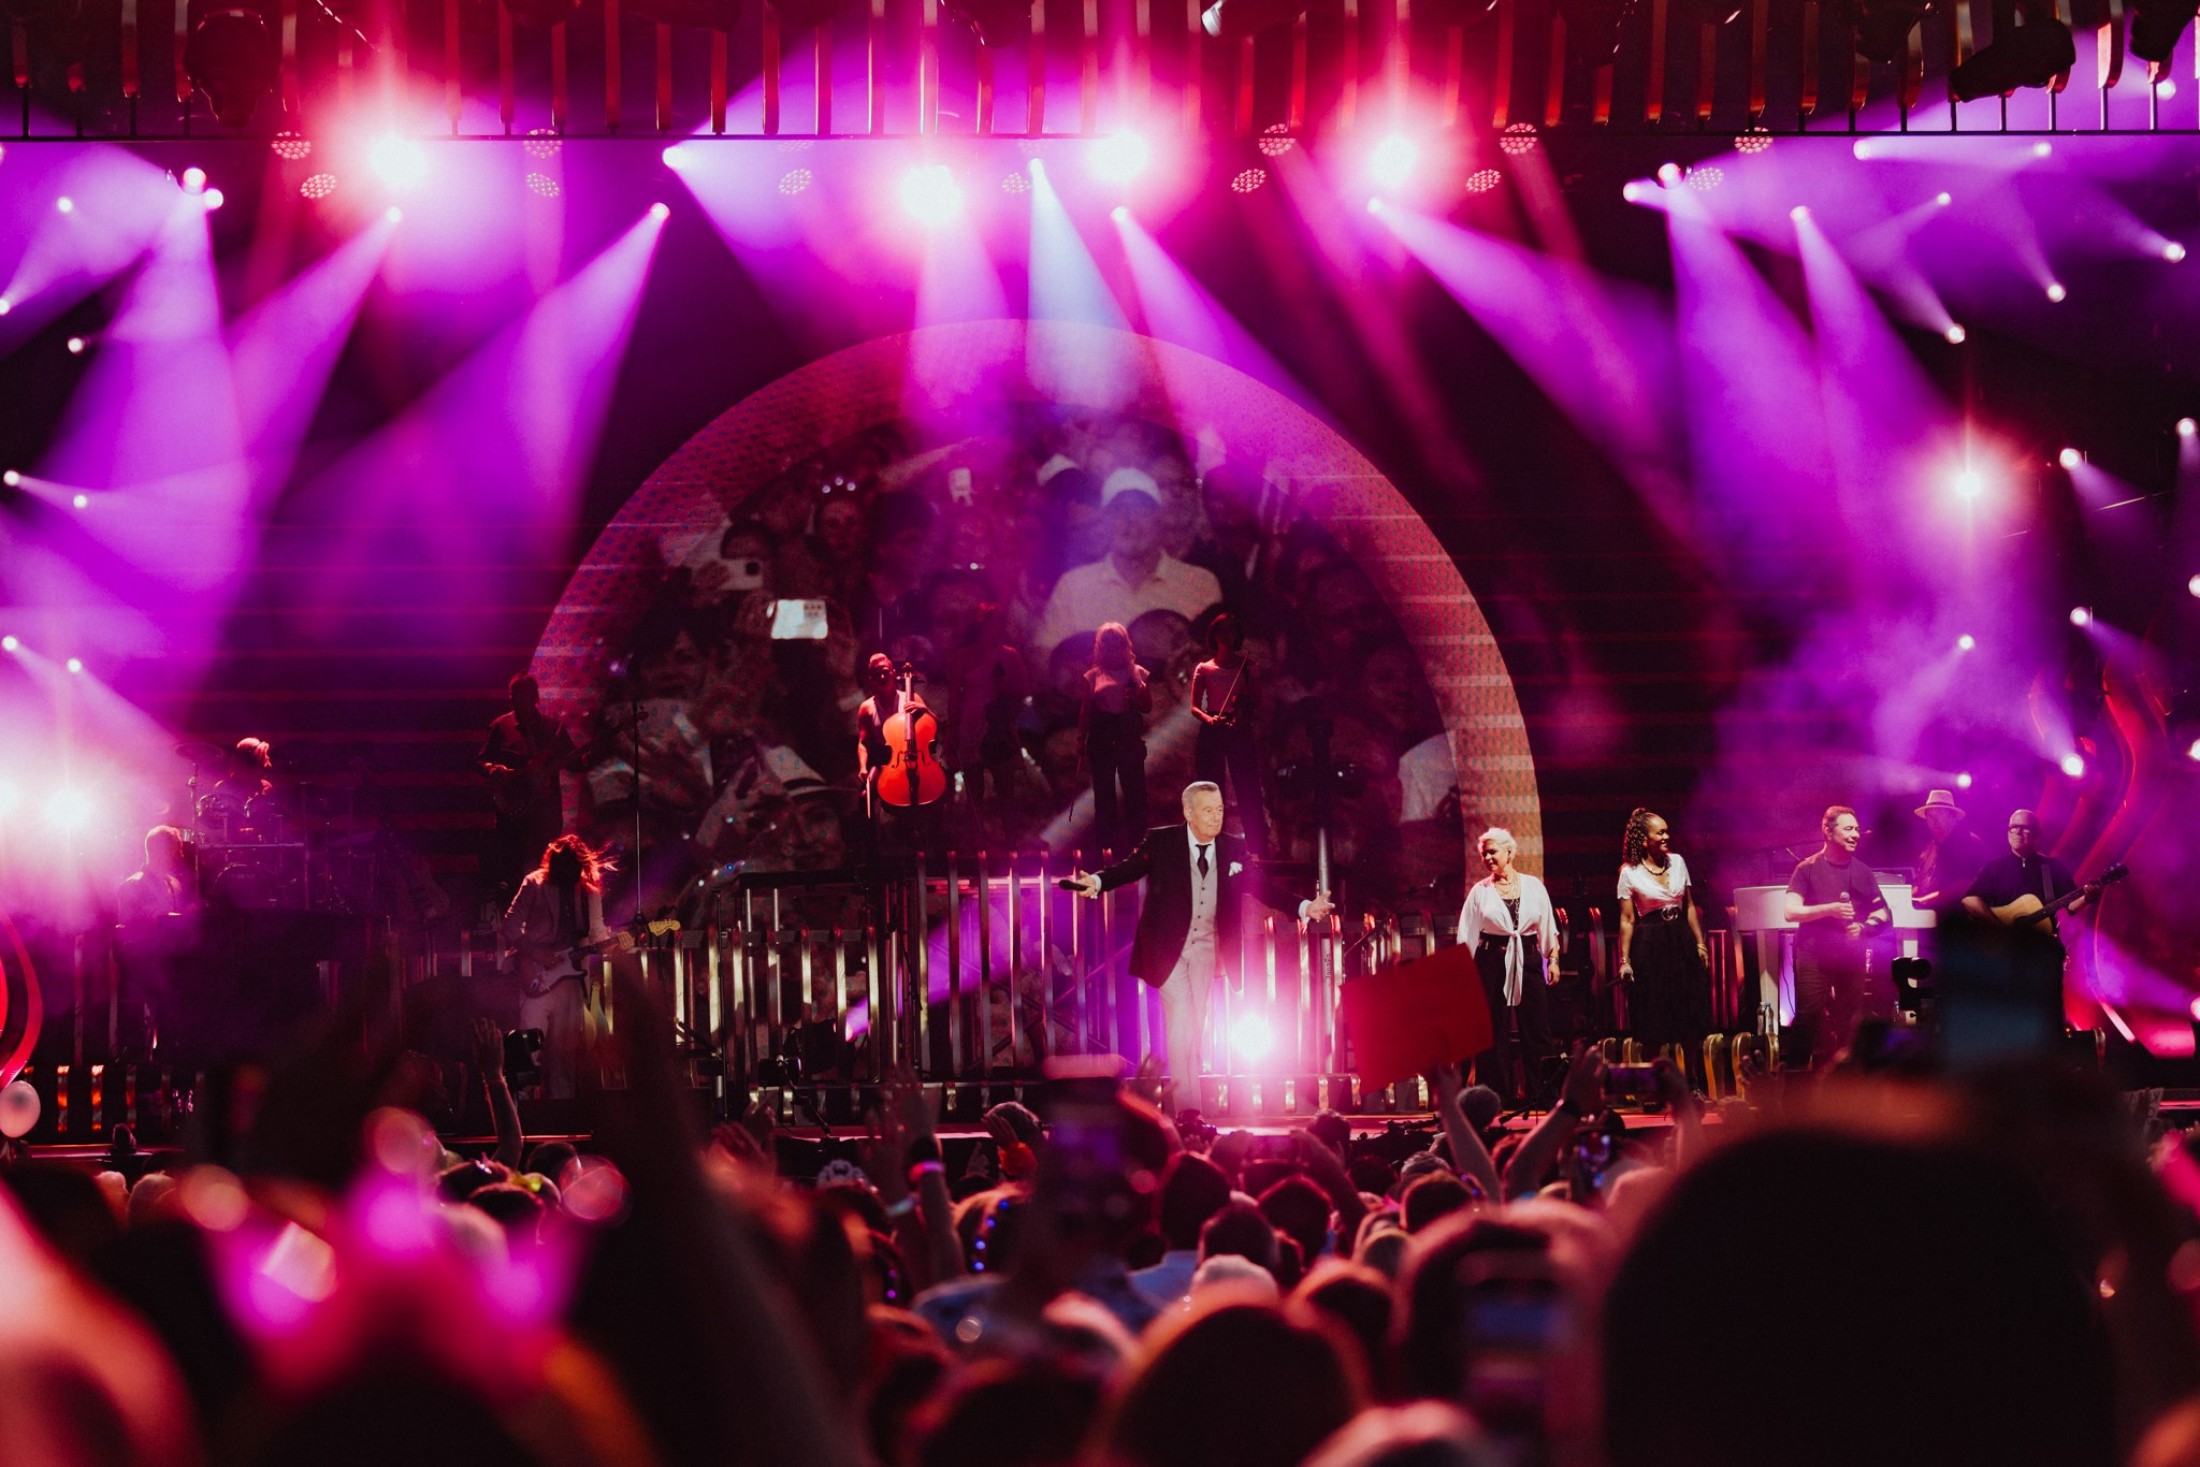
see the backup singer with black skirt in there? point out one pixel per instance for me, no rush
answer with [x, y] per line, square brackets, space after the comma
[1663, 956]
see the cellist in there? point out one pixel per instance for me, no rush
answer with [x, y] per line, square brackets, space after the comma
[911, 777]
[872, 754]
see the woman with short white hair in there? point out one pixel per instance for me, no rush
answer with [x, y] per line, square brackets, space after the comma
[1509, 926]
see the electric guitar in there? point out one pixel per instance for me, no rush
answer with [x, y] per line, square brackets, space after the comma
[571, 963]
[2028, 909]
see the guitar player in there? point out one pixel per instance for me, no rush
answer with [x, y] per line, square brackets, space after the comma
[520, 758]
[2031, 950]
[558, 911]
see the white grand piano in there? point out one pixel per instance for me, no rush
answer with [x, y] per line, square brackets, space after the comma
[1759, 911]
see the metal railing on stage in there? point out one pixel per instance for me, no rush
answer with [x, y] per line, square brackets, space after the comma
[968, 969]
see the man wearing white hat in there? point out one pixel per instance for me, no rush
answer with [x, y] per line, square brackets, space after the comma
[1135, 576]
[1950, 860]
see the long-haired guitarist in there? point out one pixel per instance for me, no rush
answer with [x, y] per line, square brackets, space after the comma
[555, 920]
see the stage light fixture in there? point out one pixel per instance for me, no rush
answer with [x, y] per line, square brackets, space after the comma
[317, 187]
[1393, 160]
[1483, 180]
[212, 198]
[1970, 483]
[1966, 642]
[80, 501]
[997, 23]
[1119, 157]
[1250, 1036]
[1944, 198]
[2056, 293]
[544, 186]
[6, 305]
[1276, 140]
[2081, 616]
[194, 180]
[676, 157]
[929, 194]
[2030, 54]
[2042, 149]
[794, 181]
[2173, 252]
[1963, 781]
[660, 211]
[12, 479]
[68, 809]
[1248, 180]
[75, 665]
[233, 58]
[1704, 180]
[1669, 174]
[2193, 753]
[65, 204]
[1230, 20]
[291, 146]
[394, 214]
[2186, 427]
[1122, 212]
[1955, 334]
[2070, 458]
[10, 643]
[2156, 26]
[398, 161]
[1799, 213]
[2073, 764]
[1756, 140]
[1016, 183]
[2193, 585]
[542, 142]
[1518, 139]
[1861, 149]
[76, 346]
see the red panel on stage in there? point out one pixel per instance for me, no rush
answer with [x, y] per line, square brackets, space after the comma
[1410, 1019]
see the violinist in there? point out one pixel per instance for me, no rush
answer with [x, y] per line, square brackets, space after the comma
[1222, 700]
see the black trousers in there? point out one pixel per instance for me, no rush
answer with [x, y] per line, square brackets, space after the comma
[1232, 751]
[1832, 992]
[1115, 748]
[1531, 1017]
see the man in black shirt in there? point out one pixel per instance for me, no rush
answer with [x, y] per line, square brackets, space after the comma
[1833, 898]
[2036, 953]
[1951, 859]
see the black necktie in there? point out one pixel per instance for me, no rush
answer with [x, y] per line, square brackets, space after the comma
[1203, 863]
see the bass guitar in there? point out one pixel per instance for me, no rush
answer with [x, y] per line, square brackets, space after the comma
[2029, 909]
[571, 963]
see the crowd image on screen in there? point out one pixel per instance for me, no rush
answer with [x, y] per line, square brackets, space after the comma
[1859, 1266]
[986, 567]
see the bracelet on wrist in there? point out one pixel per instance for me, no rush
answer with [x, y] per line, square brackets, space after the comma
[923, 1169]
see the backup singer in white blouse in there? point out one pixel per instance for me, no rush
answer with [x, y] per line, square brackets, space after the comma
[1510, 928]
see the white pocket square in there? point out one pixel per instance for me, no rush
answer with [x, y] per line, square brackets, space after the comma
[1236, 867]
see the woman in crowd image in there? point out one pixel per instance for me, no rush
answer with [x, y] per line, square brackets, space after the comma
[1112, 727]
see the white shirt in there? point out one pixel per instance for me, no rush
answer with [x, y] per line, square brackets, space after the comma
[1204, 889]
[1485, 913]
[1087, 597]
[1649, 890]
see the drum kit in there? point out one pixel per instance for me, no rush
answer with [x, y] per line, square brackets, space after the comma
[301, 844]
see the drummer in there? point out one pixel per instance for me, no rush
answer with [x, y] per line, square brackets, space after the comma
[226, 808]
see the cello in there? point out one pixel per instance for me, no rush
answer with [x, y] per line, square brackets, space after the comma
[912, 774]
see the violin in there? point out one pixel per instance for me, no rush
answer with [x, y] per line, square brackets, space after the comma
[913, 774]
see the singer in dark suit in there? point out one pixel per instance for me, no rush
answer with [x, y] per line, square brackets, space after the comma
[1194, 875]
